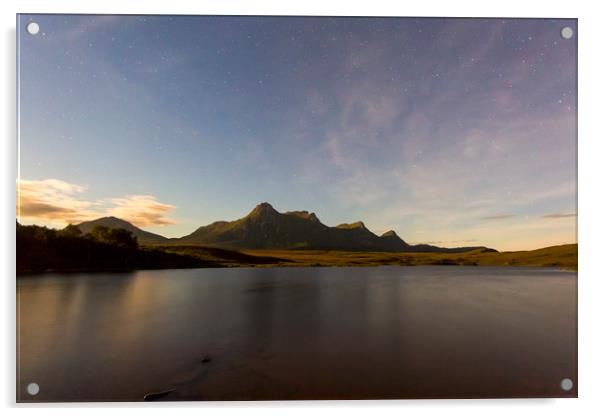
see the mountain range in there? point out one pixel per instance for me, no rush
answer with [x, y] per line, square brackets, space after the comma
[266, 228]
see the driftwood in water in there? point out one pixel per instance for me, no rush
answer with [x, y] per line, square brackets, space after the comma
[149, 397]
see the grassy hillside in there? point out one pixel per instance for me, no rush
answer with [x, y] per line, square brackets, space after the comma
[564, 256]
[222, 257]
[41, 249]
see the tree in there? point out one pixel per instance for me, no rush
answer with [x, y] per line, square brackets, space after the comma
[114, 236]
[123, 238]
[70, 231]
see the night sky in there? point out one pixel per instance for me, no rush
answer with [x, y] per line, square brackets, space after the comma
[450, 131]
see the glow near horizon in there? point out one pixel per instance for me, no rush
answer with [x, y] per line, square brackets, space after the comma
[449, 131]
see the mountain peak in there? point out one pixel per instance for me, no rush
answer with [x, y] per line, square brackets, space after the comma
[357, 224]
[112, 218]
[109, 221]
[304, 214]
[390, 233]
[263, 208]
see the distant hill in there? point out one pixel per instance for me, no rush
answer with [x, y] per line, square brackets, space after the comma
[266, 228]
[427, 248]
[144, 237]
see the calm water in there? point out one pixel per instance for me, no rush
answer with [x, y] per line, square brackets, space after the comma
[298, 333]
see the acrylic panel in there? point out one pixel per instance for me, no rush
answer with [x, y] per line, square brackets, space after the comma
[295, 208]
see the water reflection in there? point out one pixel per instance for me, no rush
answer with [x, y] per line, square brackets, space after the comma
[298, 333]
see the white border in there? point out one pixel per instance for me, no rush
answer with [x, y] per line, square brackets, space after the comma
[590, 186]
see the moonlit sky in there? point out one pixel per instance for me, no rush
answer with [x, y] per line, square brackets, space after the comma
[449, 131]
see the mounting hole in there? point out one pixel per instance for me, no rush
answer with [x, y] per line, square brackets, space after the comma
[33, 28]
[566, 384]
[566, 32]
[33, 389]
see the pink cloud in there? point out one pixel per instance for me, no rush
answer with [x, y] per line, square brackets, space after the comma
[54, 202]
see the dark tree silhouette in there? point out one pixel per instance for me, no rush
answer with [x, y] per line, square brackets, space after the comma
[115, 236]
[70, 231]
[42, 248]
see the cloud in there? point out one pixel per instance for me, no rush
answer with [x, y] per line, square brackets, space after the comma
[559, 215]
[51, 199]
[498, 217]
[142, 210]
[56, 203]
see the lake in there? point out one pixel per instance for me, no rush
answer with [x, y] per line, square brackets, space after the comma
[298, 333]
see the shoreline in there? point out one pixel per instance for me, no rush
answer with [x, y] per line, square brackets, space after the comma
[195, 256]
[32, 273]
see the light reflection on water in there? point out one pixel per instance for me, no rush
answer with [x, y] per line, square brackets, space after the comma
[298, 333]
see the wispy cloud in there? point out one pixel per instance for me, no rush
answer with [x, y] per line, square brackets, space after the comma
[436, 128]
[498, 217]
[142, 210]
[423, 158]
[52, 199]
[559, 215]
[55, 202]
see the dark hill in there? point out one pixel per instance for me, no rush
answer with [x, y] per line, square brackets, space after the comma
[427, 248]
[144, 237]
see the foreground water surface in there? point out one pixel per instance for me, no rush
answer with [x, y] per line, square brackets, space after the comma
[298, 333]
